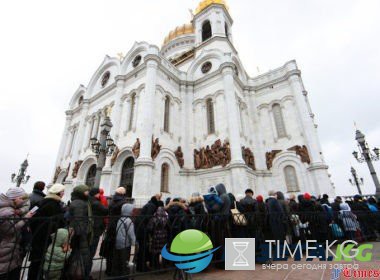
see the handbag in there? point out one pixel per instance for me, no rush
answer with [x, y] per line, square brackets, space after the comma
[337, 232]
[238, 218]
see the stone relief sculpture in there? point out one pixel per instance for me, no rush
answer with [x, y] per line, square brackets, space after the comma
[136, 148]
[215, 155]
[56, 173]
[156, 148]
[248, 157]
[179, 155]
[302, 152]
[115, 155]
[270, 157]
[77, 165]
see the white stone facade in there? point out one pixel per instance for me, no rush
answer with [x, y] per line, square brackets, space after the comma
[243, 115]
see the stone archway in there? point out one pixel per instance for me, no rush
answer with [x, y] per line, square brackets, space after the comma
[127, 173]
[90, 176]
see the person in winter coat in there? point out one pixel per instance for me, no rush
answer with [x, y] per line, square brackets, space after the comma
[99, 211]
[212, 201]
[293, 205]
[158, 225]
[11, 253]
[80, 212]
[350, 223]
[177, 218]
[108, 246]
[48, 218]
[38, 194]
[125, 239]
[58, 252]
[103, 198]
[276, 216]
[142, 235]
[198, 212]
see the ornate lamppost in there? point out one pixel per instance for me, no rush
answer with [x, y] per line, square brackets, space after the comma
[103, 147]
[21, 177]
[366, 155]
[355, 181]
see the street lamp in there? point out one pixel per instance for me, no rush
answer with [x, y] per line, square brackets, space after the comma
[21, 177]
[102, 147]
[356, 181]
[365, 155]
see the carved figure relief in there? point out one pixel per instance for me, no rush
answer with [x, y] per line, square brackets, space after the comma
[77, 165]
[302, 152]
[136, 148]
[270, 157]
[248, 157]
[115, 155]
[156, 148]
[179, 155]
[215, 155]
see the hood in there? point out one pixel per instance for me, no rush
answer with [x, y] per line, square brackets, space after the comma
[117, 197]
[177, 204]
[344, 207]
[62, 237]
[221, 189]
[280, 196]
[127, 210]
[212, 190]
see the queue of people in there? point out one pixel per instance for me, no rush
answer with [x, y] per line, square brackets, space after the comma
[55, 240]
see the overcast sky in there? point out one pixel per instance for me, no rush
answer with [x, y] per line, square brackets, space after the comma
[50, 47]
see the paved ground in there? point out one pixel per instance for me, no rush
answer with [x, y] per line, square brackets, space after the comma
[259, 273]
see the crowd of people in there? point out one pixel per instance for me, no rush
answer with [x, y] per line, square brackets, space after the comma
[55, 240]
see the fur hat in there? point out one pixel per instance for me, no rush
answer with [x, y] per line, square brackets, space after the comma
[15, 192]
[56, 188]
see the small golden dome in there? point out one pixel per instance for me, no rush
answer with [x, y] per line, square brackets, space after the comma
[205, 3]
[178, 31]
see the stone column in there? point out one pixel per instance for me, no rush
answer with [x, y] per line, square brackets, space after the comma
[188, 127]
[232, 113]
[123, 127]
[237, 165]
[307, 122]
[96, 125]
[87, 135]
[143, 188]
[64, 139]
[81, 131]
[117, 109]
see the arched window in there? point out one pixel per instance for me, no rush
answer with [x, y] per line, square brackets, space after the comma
[210, 116]
[133, 104]
[279, 120]
[206, 30]
[80, 100]
[167, 114]
[91, 174]
[291, 179]
[165, 177]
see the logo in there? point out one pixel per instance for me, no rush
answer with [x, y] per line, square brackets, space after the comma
[191, 250]
[240, 253]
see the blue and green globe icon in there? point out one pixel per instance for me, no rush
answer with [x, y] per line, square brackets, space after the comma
[191, 250]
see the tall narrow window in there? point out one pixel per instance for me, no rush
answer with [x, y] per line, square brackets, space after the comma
[210, 116]
[206, 30]
[226, 29]
[133, 104]
[165, 177]
[279, 120]
[167, 114]
[291, 179]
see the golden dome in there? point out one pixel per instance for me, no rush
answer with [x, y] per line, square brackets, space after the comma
[178, 31]
[205, 3]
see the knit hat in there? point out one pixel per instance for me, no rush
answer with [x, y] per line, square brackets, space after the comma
[81, 189]
[15, 192]
[260, 198]
[307, 196]
[56, 188]
[121, 190]
[248, 191]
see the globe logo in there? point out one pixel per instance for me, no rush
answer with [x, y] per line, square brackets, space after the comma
[191, 250]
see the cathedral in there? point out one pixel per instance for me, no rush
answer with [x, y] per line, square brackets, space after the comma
[186, 116]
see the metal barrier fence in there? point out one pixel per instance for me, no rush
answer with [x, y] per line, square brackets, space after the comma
[77, 247]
